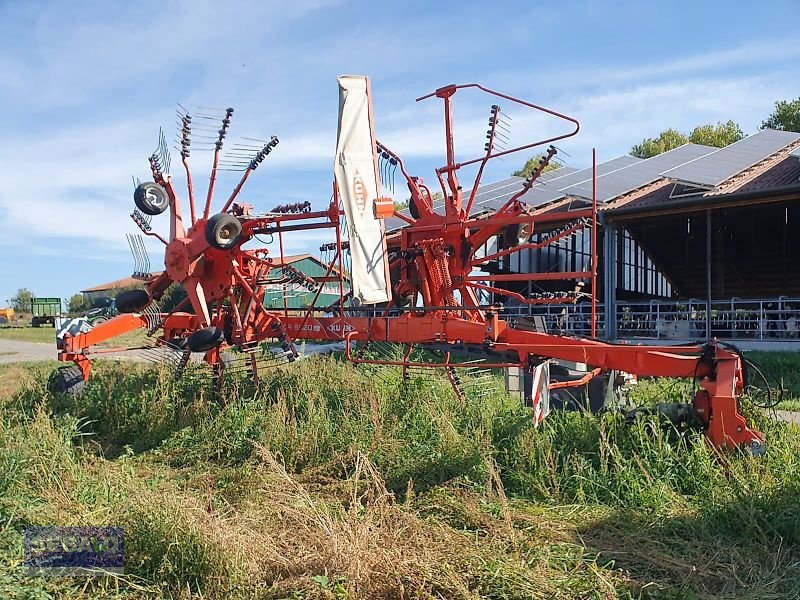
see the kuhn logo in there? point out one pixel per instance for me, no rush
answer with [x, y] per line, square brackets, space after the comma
[359, 192]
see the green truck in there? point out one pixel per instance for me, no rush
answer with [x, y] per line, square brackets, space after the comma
[45, 311]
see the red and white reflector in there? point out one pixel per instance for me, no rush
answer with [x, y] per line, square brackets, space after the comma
[539, 395]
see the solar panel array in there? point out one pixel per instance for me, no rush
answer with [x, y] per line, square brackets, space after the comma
[490, 192]
[548, 187]
[552, 188]
[626, 179]
[691, 164]
[715, 167]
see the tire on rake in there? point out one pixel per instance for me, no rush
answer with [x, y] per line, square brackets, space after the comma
[205, 339]
[151, 198]
[223, 231]
[516, 234]
[131, 301]
[177, 343]
[66, 380]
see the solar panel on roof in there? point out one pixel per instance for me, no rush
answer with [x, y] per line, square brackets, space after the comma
[712, 169]
[548, 187]
[545, 190]
[633, 176]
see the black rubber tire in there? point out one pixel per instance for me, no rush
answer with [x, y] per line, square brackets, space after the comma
[131, 301]
[205, 339]
[223, 231]
[35, 322]
[66, 380]
[151, 198]
[177, 343]
[98, 321]
[412, 208]
[515, 234]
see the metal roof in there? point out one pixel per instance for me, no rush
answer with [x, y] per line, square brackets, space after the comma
[636, 175]
[712, 169]
[795, 153]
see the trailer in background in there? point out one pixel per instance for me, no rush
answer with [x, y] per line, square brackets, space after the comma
[45, 310]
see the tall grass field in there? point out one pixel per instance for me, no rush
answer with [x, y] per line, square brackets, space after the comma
[331, 481]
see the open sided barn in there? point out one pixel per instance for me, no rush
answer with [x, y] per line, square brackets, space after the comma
[694, 242]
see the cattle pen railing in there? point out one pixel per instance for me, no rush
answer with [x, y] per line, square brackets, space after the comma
[752, 319]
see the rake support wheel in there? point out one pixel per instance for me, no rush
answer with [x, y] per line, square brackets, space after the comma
[151, 198]
[66, 380]
[131, 301]
[223, 231]
[205, 339]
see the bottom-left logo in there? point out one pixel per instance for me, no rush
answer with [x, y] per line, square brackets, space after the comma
[69, 551]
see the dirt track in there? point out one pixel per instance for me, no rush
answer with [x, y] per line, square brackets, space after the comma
[16, 351]
[12, 351]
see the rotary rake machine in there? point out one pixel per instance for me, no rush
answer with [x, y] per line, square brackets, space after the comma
[420, 288]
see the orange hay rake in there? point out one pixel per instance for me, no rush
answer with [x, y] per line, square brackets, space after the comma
[420, 288]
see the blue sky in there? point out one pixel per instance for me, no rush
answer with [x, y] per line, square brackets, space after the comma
[84, 87]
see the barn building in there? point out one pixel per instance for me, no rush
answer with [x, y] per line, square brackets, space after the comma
[297, 295]
[695, 242]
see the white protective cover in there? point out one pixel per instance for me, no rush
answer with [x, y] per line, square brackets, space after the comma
[357, 180]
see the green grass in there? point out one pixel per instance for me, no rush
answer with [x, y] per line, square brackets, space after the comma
[44, 334]
[328, 481]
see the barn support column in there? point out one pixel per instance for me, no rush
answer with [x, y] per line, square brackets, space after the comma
[718, 240]
[708, 274]
[610, 268]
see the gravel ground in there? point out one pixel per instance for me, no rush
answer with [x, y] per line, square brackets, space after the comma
[16, 351]
[12, 351]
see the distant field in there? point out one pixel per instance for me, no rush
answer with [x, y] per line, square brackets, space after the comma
[45, 334]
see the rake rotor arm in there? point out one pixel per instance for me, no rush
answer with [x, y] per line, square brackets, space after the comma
[531, 246]
[455, 166]
[190, 189]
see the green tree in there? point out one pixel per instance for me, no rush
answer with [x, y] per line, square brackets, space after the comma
[665, 141]
[719, 135]
[404, 204]
[173, 296]
[77, 304]
[21, 301]
[785, 117]
[533, 162]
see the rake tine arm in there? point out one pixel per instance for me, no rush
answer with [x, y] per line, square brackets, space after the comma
[190, 188]
[217, 148]
[237, 189]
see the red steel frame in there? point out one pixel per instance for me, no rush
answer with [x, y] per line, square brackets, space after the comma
[432, 263]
